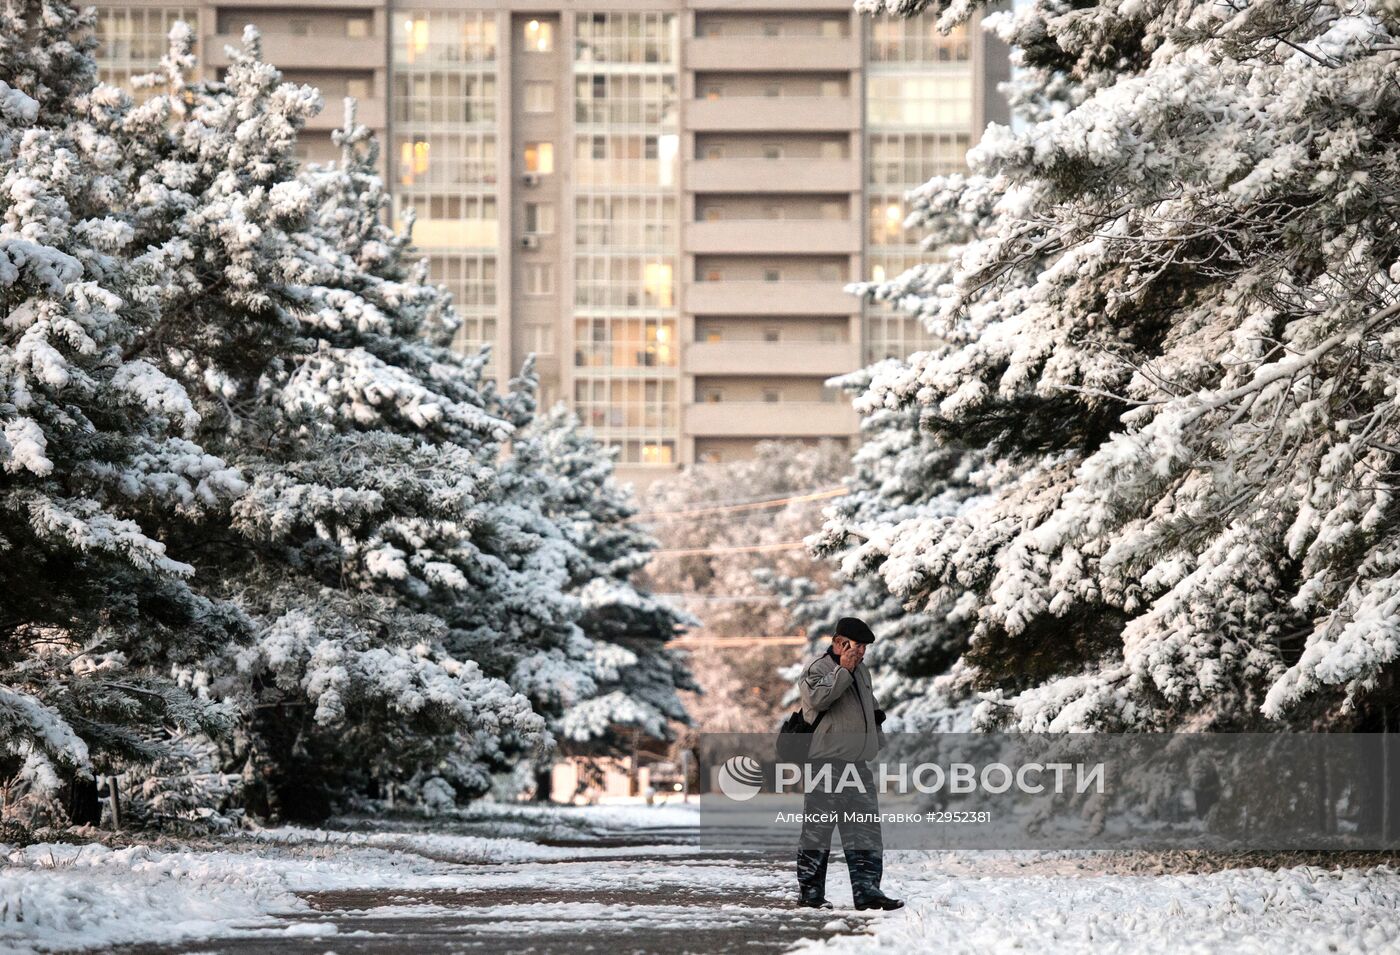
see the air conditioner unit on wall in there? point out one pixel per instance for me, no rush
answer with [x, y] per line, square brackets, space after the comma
[529, 242]
[531, 179]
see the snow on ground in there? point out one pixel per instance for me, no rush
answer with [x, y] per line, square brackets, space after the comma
[59, 895]
[970, 902]
[63, 896]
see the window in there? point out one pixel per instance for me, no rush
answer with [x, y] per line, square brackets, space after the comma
[357, 28]
[831, 28]
[539, 278]
[772, 28]
[714, 275]
[830, 272]
[539, 158]
[771, 335]
[662, 452]
[772, 395]
[539, 96]
[712, 396]
[831, 89]
[772, 151]
[539, 339]
[828, 394]
[300, 27]
[773, 89]
[714, 92]
[357, 88]
[712, 335]
[833, 210]
[539, 218]
[713, 29]
[772, 275]
[715, 151]
[832, 149]
[539, 36]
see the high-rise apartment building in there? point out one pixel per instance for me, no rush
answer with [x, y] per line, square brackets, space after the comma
[660, 199]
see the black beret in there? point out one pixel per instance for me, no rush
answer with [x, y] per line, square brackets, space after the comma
[855, 629]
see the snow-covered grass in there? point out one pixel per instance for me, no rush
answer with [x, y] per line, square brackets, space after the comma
[1005, 902]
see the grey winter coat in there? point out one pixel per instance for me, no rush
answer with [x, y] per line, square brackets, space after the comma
[848, 731]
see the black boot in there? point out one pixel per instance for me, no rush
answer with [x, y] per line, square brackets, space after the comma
[878, 900]
[810, 900]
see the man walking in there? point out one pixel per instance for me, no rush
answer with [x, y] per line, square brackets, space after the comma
[837, 701]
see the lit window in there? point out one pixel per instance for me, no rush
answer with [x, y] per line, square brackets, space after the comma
[656, 280]
[539, 96]
[357, 28]
[357, 88]
[413, 160]
[661, 453]
[714, 92]
[539, 36]
[539, 158]
[416, 35]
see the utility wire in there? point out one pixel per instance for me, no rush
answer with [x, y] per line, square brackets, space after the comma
[747, 549]
[722, 598]
[821, 495]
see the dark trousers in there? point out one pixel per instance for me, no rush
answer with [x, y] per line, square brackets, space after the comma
[861, 843]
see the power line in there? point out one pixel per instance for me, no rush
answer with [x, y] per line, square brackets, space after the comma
[786, 640]
[723, 598]
[820, 495]
[748, 549]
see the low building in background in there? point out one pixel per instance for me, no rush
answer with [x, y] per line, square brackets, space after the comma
[660, 200]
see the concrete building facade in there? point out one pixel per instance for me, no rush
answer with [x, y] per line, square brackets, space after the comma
[661, 200]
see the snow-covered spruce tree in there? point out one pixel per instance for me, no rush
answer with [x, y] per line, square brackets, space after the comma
[93, 444]
[375, 548]
[635, 677]
[1176, 349]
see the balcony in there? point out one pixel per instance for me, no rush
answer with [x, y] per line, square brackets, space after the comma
[369, 112]
[807, 358]
[764, 114]
[768, 54]
[771, 419]
[289, 52]
[782, 236]
[769, 298]
[773, 175]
